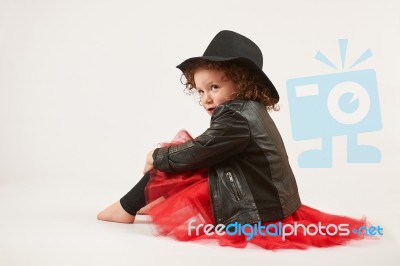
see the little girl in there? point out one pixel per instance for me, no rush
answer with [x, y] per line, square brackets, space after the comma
[236, 175]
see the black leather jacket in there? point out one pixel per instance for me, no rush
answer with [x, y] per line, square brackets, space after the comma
[249, 175]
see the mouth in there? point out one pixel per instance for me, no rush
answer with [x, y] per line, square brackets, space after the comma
[210, 110]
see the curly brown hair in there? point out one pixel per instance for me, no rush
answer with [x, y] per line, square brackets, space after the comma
[248, 86]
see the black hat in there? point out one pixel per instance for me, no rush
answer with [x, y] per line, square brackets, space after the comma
[231, 46]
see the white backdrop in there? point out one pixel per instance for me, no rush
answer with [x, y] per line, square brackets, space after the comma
[88, 87]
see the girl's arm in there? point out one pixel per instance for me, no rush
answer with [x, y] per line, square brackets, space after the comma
[227, 135]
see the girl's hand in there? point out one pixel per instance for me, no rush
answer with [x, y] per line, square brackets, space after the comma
[149, 162]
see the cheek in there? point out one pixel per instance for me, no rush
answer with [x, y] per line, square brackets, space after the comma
[203, 101]
[224, 98]
[231, 94]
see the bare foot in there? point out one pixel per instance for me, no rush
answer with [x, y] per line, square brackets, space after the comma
[146, 208]
[115, 213]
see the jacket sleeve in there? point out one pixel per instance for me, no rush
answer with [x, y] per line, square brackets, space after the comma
[227, 135]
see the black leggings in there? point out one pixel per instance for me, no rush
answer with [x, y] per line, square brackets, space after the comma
[134, 200]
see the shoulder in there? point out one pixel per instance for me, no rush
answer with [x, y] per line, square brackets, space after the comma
[232, 106]
[236, 107]
[230, 114]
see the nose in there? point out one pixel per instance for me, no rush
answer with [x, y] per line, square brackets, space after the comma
[207, 98]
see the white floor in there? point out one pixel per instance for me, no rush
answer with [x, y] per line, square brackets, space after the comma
[53, 222]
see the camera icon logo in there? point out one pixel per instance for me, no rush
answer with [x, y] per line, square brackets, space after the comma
[339, 104]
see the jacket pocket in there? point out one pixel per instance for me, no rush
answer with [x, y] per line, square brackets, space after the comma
[234, 187]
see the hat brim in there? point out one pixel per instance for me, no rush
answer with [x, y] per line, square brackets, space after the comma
[242, 60]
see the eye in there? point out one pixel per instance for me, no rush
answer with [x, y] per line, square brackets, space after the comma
[214, 87]
[200, 92]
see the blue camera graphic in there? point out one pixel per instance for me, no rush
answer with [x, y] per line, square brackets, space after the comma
[329, 105]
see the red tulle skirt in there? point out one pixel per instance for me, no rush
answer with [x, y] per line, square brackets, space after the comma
[182, 209]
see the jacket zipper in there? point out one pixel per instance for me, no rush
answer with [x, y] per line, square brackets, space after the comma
[234, 186]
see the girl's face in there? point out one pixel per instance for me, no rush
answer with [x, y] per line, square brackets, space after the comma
[213, 88]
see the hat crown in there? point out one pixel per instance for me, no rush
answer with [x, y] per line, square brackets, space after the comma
[230, 44]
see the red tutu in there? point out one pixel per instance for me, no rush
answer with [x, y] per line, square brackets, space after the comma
[184, 212]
